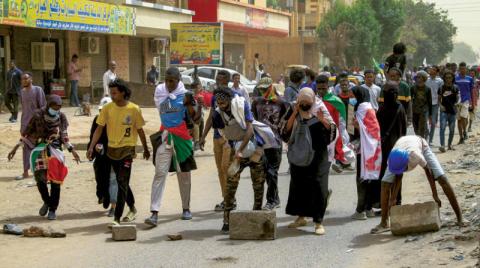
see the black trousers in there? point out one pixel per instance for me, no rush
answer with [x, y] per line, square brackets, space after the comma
[367, 191]
[51, 199]
[273, 158]
[122, 169]
[101, 167]
[11, 101]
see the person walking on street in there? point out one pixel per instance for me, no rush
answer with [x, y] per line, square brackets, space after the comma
[421, 104]
[448, 97]
[74, 73]
[408, 153]
[269, 109]
[174, 152]
[369, 158]
[404, 94]
[473, 108]
[393, 125]
[107, 187]
[33, 101]
[293, 87]
[48, 129]
[434, 83]
[109, 76]
[465, 85]
[13, 92]
[311, 134]
[123, 121]
[152, 76]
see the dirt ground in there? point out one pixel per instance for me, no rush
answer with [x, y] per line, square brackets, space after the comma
[83, 220]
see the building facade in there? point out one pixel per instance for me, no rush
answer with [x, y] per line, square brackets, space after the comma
[133, 33]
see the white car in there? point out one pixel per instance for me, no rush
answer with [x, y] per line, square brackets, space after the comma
[207, 76]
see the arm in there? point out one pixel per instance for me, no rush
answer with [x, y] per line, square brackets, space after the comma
[429, 101]
[431, 181]
[208, 126]
[245, 140]
[292, 119]
[95, 138]
[141, 135]
[105, 84]
[41, 101]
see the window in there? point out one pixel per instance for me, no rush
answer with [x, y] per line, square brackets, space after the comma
[251, 2]
[206, 73]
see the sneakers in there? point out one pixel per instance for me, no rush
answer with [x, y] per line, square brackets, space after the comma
[270, 206]
[51, 215]
[111, 212]
[152, 220]
[186, 215]
[299, 222]
[370, 213]
[319, 230]
[348, 167]
[359, 216]
[462, 141]
[450, 147]
[442, 149]
[43, 210]
[220, 206]
[131, 215]
[336, 168]
[225, 228]
[113, 223]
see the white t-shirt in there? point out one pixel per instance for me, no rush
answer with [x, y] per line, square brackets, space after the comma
[415, 146]
[108, 77]
[374, 91]
[434, 85]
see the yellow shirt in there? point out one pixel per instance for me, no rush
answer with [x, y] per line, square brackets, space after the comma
[122, 124]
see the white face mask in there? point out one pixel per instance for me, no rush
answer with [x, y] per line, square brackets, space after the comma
[53, 112]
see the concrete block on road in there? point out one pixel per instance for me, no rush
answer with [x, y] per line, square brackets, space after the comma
[124, 232]
[415, 218]
[253, 225]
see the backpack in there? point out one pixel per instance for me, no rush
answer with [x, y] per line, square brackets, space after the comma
[300, 150]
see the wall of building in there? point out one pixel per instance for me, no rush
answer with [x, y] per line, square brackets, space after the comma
[118, 51]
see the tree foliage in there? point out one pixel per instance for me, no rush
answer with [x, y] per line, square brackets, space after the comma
[463, 52]
[352, 35]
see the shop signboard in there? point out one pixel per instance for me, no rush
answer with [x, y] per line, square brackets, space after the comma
[256, 18]
[78, 15]
[196, 43]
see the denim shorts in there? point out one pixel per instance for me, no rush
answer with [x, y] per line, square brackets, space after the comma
[432, 164]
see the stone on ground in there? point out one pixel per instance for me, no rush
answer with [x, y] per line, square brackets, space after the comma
[124, 232]
[415, 218]
[253, 225]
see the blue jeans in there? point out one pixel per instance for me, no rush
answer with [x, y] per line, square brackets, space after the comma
[434, 122]
[444, 119]
[74, 93]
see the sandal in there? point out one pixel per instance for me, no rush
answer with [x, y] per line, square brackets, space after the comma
[380, 229]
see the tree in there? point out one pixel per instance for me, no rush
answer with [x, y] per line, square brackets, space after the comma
[428, 32]
[463, 52]
[391, 16]
[349, 35]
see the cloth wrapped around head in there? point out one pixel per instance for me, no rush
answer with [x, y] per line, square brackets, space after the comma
[306, 94]
[54, 99]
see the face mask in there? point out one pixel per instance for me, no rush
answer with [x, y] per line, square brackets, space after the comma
[53, 112]
[352, 101]
[305, 107]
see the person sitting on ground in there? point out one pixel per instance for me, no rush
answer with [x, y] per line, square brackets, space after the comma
[408, 152]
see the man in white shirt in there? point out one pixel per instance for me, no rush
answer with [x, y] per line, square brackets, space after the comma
[434, 83]
[373, 89]
[408, 153]
[108, 77]
[259, 73]
[239, 88]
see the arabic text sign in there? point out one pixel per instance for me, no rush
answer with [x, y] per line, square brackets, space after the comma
[79, 15]
[196, 43]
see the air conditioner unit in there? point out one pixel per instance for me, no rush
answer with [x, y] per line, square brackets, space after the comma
[90, 45]
[43, 56]
[158, 46]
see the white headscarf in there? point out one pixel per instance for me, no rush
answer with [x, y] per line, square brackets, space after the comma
[162, 93]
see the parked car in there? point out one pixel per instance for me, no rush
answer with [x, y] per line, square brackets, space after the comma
[207, 76]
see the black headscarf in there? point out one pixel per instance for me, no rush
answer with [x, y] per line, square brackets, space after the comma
[390, 95]
[361, 94]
